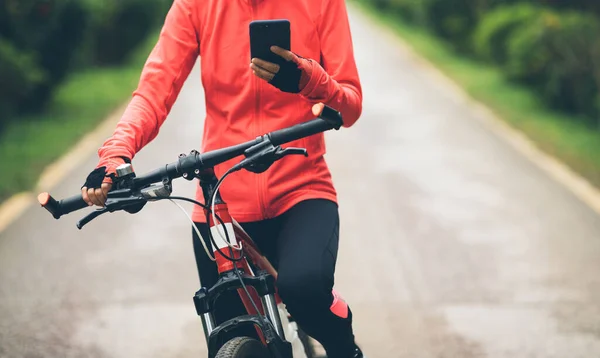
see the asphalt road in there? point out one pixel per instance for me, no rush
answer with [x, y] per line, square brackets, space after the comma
[452, 243]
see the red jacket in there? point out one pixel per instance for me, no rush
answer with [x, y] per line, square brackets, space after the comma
[241, 106]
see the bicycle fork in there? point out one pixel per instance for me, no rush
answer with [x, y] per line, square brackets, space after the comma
[204, 310]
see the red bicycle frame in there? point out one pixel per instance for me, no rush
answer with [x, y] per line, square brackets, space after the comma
[249, 251]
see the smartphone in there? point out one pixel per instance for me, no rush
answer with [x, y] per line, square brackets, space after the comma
[267, 33]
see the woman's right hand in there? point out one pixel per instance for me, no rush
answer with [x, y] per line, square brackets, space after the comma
[98, 183]
[96, 196]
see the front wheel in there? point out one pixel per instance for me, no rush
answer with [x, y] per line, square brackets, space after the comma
[243, 347]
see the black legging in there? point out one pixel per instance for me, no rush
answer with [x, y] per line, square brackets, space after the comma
[302, 245]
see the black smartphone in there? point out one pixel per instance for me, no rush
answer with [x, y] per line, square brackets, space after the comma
[267, 33]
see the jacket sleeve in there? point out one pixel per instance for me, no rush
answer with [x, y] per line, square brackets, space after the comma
[336, 83]
[163, 75]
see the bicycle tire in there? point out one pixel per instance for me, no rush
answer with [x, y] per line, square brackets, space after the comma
[243, 347]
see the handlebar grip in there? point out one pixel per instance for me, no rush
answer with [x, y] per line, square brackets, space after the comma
[60, 208]
[329, 119]
[333, 117]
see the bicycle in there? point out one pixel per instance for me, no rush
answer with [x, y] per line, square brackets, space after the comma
[131, 193]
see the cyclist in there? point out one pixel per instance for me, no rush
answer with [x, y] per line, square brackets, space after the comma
[290, 210]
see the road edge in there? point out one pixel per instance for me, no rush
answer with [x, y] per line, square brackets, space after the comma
[552, 166]
[16, 205]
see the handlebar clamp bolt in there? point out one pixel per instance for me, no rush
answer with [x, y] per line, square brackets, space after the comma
[197, 171]
[185, 175]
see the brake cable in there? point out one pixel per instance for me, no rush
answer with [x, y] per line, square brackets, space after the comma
[218, 218]
[212, 206]
[236, 270]
[195, 229]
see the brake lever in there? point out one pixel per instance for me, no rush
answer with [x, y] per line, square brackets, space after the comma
[260, 157]
[280, 153]
[91, 216]
[131, 205]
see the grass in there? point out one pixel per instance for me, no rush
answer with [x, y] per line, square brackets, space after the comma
[30, 143]
[562, 136]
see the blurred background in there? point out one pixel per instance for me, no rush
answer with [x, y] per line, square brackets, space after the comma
[550, 45]
[547, 51]
[482, 248]
[64, 65]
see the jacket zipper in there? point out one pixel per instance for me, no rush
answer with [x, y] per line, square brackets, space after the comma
[258, 128]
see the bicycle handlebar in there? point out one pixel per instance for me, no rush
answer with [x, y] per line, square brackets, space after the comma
[62, 207]
[329, 119]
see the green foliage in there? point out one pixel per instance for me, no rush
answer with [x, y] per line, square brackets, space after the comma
[20, 75]
[579, 5]
[411, 10]
[49, 30]
[558, 53]
[551, 45]
[41, 41]
[497, 26]
[560, 134]
[117, 26]
[31, 142]
[453, 20]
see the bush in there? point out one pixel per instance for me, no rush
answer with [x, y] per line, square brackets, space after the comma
[43, 40]
[20, 75]
[118, 26]
[51, 31]
[558, 53]
[412, 11]
[538, 42]
[453, 20]
[382, 4]
[571, 76]
[580, 5]
[497, 26]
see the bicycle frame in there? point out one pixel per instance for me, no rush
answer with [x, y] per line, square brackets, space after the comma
[261, 285]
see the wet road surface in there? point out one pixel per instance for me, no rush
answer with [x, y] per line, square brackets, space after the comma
[452, 244]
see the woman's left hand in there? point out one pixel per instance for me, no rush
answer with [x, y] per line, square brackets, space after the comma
[290, 77]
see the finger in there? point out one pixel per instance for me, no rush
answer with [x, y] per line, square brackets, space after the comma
[100, 196]
[106, 188]
[262, 73]
[287, 55]
[92, 195]
[85, 196]
[269, 66]
[317, 109]
[264, 77]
